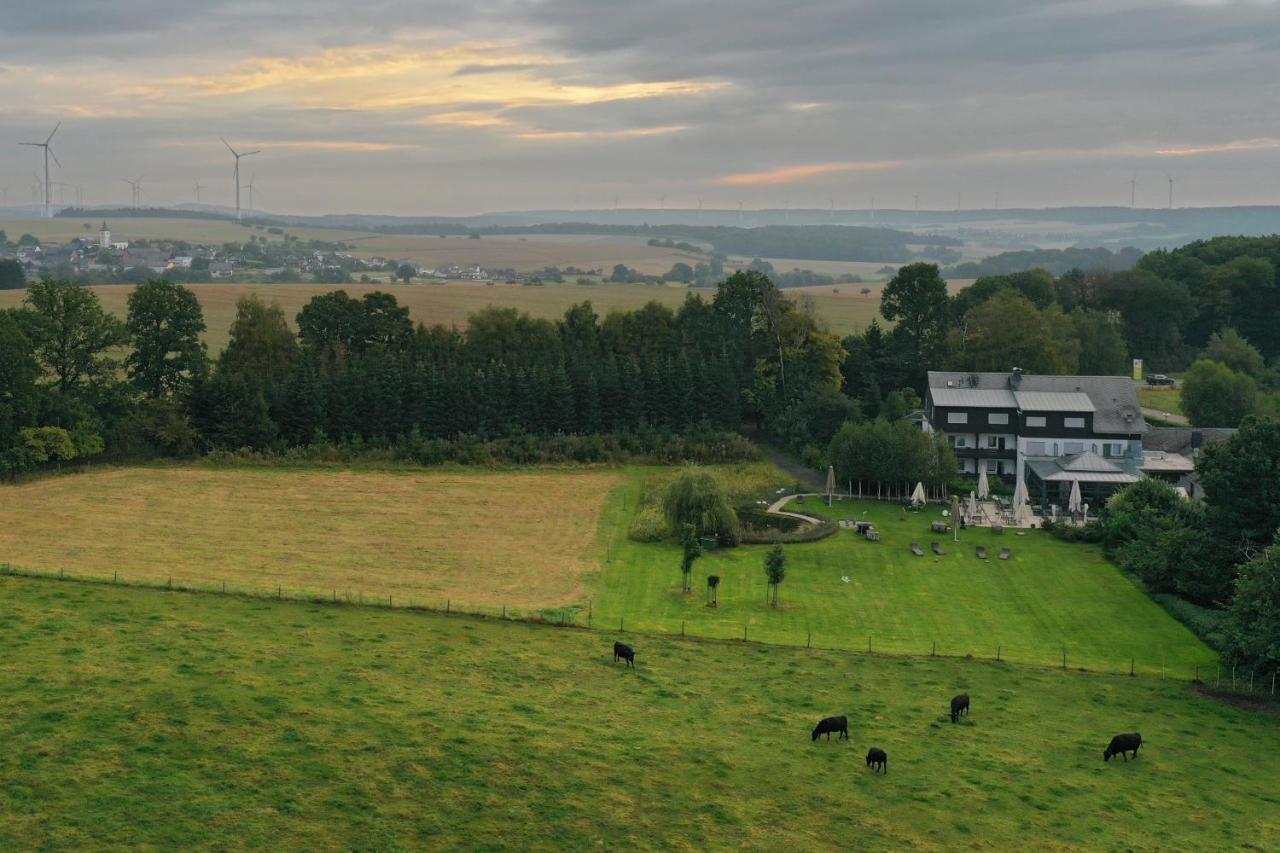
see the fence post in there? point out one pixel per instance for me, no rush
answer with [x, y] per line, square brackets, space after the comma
[388, 601]
[1131, 667]
[589, 607]
[622, 620]
[170, 581]
[1233, 676]
[1273, 683]
[808, 644]
[934, 653]
[279, 593]
[504, 611]
[1251, 682]
[1064, 657]
[448, 605]
[1217, 675]
[999, 649]
[868, 644]
[744, 632]
[681, 627]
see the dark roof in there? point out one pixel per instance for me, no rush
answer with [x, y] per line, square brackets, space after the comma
[1116, 410]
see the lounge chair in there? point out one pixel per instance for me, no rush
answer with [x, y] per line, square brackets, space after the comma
[872, 534]
[937, 548]
[982, 552]
[1005, 553]
[915, 549]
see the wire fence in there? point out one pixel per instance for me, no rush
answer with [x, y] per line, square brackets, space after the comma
[1227, 679]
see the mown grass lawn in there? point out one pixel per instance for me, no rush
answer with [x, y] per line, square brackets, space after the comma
[164, 720]
[1048, 596]
[1164, 399]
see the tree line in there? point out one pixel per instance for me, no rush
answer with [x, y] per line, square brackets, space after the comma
[76, 381]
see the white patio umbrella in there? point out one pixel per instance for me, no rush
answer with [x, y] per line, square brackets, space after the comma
[1019, 502]
[1074, 502]
[917, 497]
[984, 488]
[973, 505]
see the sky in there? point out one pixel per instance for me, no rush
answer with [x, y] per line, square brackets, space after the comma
[444, 107]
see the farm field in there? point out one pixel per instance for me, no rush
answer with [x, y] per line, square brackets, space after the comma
[1048, 596]
[431, 537]
[451, 304]
[59, 230]
[415, 536]
[144, 719]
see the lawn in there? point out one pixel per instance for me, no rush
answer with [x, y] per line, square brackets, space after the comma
[421, 537]
[143, 719]
[1048, 596]
[1163, 399]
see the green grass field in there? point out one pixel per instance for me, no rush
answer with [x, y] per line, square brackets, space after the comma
[140, 719]
[1048, 596]
[1164, 399]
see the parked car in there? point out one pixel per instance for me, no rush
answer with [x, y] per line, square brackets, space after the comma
[1159, 380]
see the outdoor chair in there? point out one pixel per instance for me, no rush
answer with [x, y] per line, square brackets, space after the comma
[915, 549]
[937, 549]
[1005, 553]
[982, 552]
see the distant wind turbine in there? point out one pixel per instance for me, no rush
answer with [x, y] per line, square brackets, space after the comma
[199, 187]
[1133, 190]
[48, 152]
[249, 187]
[135, 189]
[1170, 177]
[235, 174]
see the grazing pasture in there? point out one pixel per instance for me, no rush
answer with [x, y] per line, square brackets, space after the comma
[846, 591]
[143, 719]
[425, 537]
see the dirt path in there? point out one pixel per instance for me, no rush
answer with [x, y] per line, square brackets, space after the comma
[1169, 417]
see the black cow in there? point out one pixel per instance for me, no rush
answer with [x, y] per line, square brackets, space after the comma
[959, 705]
[832, 724]
[1123, 745]
[624, 652]
[877, 758]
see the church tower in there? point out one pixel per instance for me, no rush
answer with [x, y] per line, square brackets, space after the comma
[104, 236]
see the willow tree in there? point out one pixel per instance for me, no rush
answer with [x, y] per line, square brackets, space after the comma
[698, 498]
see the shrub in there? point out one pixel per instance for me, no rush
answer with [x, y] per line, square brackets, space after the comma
[649, 525]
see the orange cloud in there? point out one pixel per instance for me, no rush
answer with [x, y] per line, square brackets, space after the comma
[796, 174]
[1221, 148]
[600, 134]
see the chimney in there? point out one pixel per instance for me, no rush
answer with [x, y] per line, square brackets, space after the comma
[1015, 378]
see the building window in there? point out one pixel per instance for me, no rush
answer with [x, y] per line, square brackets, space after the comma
[994, 418]
[957, 417]
[993, 467]
[1035, 448]
[993, 442]
[956, 440]
[1073, 423]
[1035, 420]
[1113, 451]
[1070, 447]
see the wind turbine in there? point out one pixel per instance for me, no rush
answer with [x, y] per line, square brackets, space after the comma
[199, 187]
[236, 173]
[135, 187]
[48, 152]
[1133, 189]
[1170, 177]
[249, 187]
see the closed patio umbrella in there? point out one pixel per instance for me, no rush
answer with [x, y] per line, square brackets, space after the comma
[917, 497]
[1074, 502]
[984, 488]
[973, 505]
[1019, 502]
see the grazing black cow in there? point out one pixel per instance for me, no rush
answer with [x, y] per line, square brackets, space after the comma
[1123, 745]
[832, 724]
[877, 758]
[959, 705]
[625, 652]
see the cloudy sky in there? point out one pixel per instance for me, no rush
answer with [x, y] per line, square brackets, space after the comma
[404, 106]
